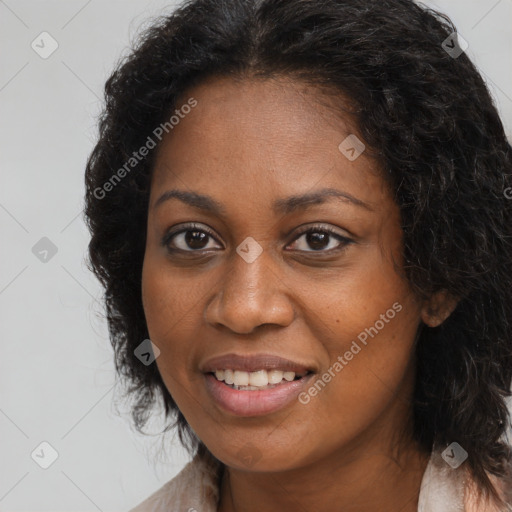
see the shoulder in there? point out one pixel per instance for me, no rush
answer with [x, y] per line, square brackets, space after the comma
[502, 485]
[452, 488]
[195, 487]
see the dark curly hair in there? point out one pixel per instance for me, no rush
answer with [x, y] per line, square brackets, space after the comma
[429, 121]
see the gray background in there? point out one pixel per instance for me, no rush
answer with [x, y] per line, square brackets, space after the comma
[56, 375]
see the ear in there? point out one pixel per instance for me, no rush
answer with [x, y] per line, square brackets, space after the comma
[438, 308]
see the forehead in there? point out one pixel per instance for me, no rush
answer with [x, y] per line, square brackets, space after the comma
[271, 137]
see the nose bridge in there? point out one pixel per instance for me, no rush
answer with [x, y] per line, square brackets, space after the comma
[250, 293]
[250, 271]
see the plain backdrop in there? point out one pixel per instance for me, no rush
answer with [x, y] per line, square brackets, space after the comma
[56, 374]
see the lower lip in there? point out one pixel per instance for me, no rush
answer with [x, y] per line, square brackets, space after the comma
[251, 402]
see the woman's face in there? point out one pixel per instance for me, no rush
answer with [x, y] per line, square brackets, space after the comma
[247, 283]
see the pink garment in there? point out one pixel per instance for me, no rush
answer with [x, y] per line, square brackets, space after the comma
[196, 489]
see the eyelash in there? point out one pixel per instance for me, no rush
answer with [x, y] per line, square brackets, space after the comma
[344, 241]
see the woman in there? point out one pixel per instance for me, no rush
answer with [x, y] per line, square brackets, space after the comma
[302, 205]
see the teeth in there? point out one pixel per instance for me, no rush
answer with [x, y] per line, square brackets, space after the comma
[275, 376]
[253, 380]
[289, 376]
[242, 379]
[258, 379]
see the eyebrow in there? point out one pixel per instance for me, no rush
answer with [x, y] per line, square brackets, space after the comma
[280, 206]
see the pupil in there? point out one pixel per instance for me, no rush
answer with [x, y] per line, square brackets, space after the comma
[193, 237]
[317, 239]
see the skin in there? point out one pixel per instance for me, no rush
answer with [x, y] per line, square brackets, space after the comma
[247, 144]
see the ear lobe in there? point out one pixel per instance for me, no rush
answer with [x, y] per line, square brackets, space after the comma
[438, 308]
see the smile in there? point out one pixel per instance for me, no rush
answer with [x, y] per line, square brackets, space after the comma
[254, 384]
[252, 381]
[247, 400]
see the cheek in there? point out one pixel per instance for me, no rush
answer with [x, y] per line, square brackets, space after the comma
[168, 298]
[165, 309]
[368, 334]
[364, 294]
[362, 381]
[172, 309]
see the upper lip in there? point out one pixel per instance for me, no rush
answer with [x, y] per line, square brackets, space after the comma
[255, 362]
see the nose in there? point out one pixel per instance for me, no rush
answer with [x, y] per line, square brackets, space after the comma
[250, 295]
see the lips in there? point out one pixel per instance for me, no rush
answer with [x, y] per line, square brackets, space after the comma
[250, 401]
[253, 363]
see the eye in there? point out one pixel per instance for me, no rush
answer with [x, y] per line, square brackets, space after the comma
[194, 238]
[191, 238]
[321, 239]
